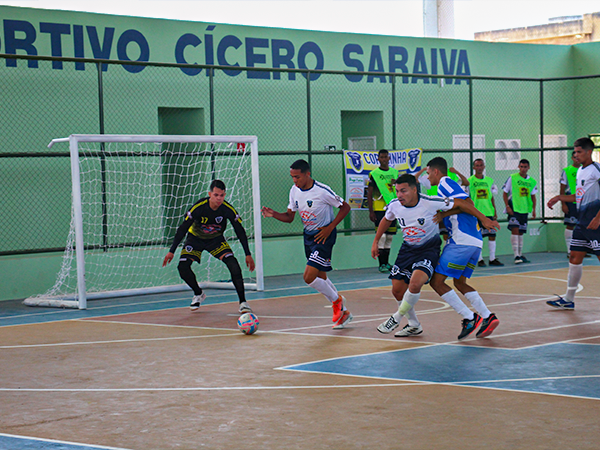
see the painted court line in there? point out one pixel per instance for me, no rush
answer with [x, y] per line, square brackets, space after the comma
[54, 441]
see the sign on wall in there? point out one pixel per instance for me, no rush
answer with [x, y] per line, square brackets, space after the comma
[359, 163]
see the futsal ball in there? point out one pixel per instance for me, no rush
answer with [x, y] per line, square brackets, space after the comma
[248, 323]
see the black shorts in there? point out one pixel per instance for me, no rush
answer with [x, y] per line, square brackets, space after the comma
[484, 231]
[571, 217]
[380, 215]
[518, 220]
[409, 259]
[585, 240]
[319, 255]
[194, 246]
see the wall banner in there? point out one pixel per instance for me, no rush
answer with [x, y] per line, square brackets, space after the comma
[359, 163]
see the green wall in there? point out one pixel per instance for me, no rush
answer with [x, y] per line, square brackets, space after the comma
[57, 99]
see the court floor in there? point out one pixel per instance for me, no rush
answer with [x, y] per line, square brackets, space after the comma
[146, 373]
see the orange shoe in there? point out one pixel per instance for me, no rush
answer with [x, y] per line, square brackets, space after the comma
[337, 308]
[344, 320]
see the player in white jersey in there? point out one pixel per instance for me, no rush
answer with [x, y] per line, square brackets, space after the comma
[420, 250]
[459, 257]
[586, 235]
[315, 202]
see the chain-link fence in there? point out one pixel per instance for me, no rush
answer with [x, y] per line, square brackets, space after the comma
[295, 113]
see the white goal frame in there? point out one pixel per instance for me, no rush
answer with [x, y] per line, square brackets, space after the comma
[82, 296]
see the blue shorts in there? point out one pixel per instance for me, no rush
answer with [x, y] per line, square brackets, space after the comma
[518, 220]
[319, 255]
[458, 260]
[571, 218]
[585, 240]
[409, 259]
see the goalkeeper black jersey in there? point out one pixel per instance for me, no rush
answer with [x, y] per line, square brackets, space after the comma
[202, 222]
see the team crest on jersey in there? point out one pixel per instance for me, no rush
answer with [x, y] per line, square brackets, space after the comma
[356, 161]
[309, 203]
[421, 220]
[189, 248]
[219, 219]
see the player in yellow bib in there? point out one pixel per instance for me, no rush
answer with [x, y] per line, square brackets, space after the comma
[380, 192]
[520, 201]
[482, 190]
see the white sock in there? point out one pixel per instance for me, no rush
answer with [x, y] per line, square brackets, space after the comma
[573, 279]
[408, 301]
[568, 237]
[323, 287]
[481, 257]
[478, 303]
[411, 315]
[520, 245]
[457, 304]
[331, 285]
[514, 242]
[492, 247]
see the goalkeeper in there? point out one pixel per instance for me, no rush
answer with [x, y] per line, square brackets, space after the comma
[204, 224]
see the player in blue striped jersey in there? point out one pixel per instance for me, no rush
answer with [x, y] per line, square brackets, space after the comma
[586, 235]
[459, 257]
[418, 256]
[315, 202]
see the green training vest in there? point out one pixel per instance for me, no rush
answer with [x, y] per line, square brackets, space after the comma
[480, 190]
[521, 193]
[384, 179]
[572, 179]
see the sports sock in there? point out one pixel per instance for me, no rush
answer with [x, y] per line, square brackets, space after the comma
[492, 247]
[520, 245]
[236, 276]
[323, 287]
[187, 274]
[411, 315]
[477, 302]
[514, 242]
[384, 255]
[331, 285]
[457, 304]
[573, 279]
[408, 301]
[568, 237]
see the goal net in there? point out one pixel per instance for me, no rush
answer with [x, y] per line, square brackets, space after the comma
[130, 193]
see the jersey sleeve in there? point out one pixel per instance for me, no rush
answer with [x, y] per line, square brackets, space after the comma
[450, 188]
[424, 181]
[563, 178]
[331, 198]
[446, 204]
[390, 210]
[292, 204]
[507, 186]
[494, 189]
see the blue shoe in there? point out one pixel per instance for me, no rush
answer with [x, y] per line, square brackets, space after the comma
[561, 303]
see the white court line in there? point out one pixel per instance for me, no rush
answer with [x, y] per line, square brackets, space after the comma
[216, 388]
[28, 438]
[119, 341]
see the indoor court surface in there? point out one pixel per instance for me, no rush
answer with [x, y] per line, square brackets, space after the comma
[145, 373]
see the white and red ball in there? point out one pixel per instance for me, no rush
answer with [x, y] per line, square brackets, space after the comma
[248, 323]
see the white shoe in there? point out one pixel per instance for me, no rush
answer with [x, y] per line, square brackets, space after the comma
[245, 307]
[388, 326]
[409, 331]
[197, 301]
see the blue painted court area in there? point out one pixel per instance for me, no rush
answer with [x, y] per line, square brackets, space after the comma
[562, 369]
[10, 442]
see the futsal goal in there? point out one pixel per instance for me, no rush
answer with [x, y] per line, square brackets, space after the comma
[129, 195]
